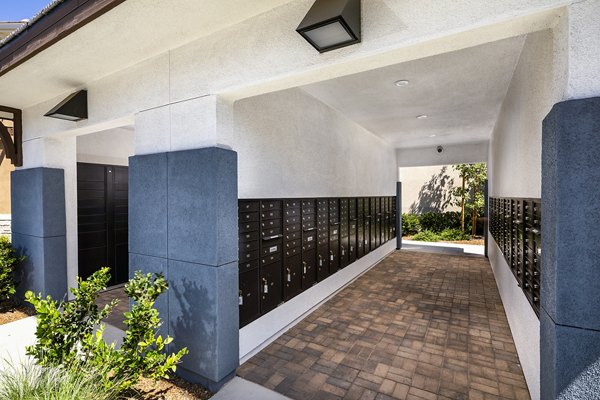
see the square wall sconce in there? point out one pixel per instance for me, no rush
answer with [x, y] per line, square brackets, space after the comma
[332, 24]
[73, 108]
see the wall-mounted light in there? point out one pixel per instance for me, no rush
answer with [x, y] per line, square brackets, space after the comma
[331, 24]
[73, 108]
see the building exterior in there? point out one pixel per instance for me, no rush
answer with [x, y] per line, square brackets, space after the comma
[226, 102]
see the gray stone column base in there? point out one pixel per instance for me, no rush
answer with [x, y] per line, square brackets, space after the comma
[570, 292]
[183, 224]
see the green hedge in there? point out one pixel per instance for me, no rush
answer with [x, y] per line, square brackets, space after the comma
[432, 222]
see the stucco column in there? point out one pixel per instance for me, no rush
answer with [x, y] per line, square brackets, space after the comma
[183, 224]
[43, 208]
[570, 293]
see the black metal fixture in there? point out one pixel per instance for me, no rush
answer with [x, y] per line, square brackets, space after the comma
[331, 24]
[73, 108]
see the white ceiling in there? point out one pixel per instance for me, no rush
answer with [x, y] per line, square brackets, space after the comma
[461, 92]
[134, 31]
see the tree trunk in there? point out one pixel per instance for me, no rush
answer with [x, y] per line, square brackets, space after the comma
[462, 207]
[474, 222]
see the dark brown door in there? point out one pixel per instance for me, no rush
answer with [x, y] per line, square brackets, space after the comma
[102, 213]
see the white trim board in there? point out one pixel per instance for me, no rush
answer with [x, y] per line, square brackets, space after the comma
[260, 333]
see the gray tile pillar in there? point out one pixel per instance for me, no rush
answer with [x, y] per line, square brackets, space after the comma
[39, 230]
[183, 223]
[570, 296]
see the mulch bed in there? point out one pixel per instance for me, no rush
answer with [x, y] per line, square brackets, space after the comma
[14, 313]
[172, 389]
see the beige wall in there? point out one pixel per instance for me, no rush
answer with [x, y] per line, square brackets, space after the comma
[428, 189]
[515, 171]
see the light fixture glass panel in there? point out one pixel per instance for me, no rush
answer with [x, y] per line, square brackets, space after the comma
[329, 35]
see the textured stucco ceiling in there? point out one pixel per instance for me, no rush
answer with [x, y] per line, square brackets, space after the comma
[461, 92]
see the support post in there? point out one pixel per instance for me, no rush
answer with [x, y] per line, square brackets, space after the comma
[183, 224]
[398, 215]
[39, 230]
[570, 292]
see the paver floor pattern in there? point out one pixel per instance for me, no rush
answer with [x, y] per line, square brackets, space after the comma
[416, 326]
[116, 317]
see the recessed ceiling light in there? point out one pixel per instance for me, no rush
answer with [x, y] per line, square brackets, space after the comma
[400, 83]
[432, 135]
[422, 116]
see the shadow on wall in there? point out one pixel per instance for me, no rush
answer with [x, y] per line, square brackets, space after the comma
[434, 195]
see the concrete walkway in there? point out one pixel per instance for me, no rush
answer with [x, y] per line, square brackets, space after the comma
[15, 336]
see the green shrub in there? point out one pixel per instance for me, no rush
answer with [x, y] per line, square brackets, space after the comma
[61, 328]
[34, 382]
[437, 222]
[9, 261]
[426, 236]
[65, 332]
[142, 352]
[410, 224]
[453, 235]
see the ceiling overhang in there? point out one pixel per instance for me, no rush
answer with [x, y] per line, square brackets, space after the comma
[60, 21]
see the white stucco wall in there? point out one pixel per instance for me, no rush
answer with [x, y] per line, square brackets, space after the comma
[454, 154]
[428, 188]
[291, 145]
[113, 147]
[515, 171]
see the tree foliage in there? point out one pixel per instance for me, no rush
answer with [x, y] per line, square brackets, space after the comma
[470, 195]
[9, 261]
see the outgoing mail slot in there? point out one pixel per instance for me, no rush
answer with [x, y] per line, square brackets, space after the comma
[268, 234]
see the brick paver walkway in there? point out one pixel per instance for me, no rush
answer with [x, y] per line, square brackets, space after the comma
[416, 326]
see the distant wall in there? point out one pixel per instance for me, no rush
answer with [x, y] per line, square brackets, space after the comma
[428, 189]
[452, 154]
[5, 170]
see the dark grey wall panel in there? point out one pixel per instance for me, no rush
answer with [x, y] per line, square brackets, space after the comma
[39, 230]
[571, 212]
[202, 206]
[148, 205]
[38, 202]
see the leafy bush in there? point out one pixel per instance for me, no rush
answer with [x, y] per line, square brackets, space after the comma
[61, 328]
[453, 235]
[34, 382]
[9, 261]
[65, 332]
[437, 222]
[410, 224]
[426, 236]
[142, 352]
